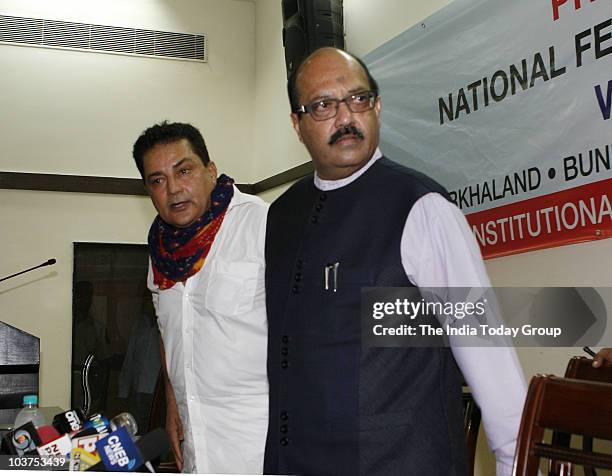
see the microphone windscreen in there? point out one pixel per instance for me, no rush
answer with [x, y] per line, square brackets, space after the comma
[125, 420]
[50, 262]
[69, 421]
[154, 444]
[47, 433]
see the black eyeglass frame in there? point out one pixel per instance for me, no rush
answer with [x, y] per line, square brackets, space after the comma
[307, 108]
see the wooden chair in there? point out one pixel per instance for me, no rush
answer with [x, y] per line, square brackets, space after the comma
[580, 368]
[567, 406]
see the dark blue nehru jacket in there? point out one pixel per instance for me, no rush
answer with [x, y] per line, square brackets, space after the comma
[336, 409]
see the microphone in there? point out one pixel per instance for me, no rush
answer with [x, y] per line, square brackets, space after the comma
[86, 439]
[153, 445]
[119, 453]
[82, 460]
[125, 420]
[69, 421]
[98, 422]
[60, 446]
[21, 440]
[47, 433]
[83, 454]
[49, 262]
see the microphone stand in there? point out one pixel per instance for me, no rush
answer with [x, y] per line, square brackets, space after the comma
[46, 263]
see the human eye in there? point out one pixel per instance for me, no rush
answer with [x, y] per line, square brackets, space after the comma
[360, 101]
[155, 180]
[184, 171]
[361, 98]
[321, 106]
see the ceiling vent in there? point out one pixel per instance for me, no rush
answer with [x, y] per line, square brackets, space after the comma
[102, 39]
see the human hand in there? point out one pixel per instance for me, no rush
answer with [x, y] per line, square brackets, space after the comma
[604, 355]
[174, 428]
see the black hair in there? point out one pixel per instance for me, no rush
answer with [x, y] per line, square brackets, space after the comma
[165, 133]
[291, 82]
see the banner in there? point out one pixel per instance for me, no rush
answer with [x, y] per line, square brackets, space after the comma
[507, 104]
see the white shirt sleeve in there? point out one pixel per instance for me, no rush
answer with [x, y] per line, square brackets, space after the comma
[438, 250]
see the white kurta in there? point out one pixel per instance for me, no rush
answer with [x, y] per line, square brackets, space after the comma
[215, 332]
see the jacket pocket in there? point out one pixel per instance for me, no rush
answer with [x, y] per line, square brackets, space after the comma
[231, 287]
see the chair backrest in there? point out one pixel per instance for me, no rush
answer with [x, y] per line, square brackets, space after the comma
[581, 368]
[568, 406]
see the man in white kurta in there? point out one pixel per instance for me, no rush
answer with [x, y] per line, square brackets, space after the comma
[210, 307]
[214, 332]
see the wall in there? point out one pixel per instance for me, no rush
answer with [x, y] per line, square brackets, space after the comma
[41, 225]
[276, 146]
[79, 113]
[71, 112]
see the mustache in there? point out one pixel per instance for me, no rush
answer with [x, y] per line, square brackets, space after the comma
[349, 129]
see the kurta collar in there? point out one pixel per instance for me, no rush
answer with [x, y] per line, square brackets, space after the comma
[326, 185]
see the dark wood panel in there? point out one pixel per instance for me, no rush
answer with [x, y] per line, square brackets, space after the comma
[71, 183]
[18, 347]
[284, 177]
[124, 186]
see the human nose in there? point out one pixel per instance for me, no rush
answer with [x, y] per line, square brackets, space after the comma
[173, 186]
[344, 115]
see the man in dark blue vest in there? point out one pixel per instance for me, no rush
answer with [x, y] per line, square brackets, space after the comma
[365, 221]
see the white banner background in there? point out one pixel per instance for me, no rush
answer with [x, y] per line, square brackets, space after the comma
[538, 127]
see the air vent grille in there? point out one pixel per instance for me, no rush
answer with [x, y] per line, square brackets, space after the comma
[102, 38]
[21, 30]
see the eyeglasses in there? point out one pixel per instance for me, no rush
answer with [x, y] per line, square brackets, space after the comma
[327, 108]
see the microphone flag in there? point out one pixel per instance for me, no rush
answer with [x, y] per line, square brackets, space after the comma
[119, 452]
